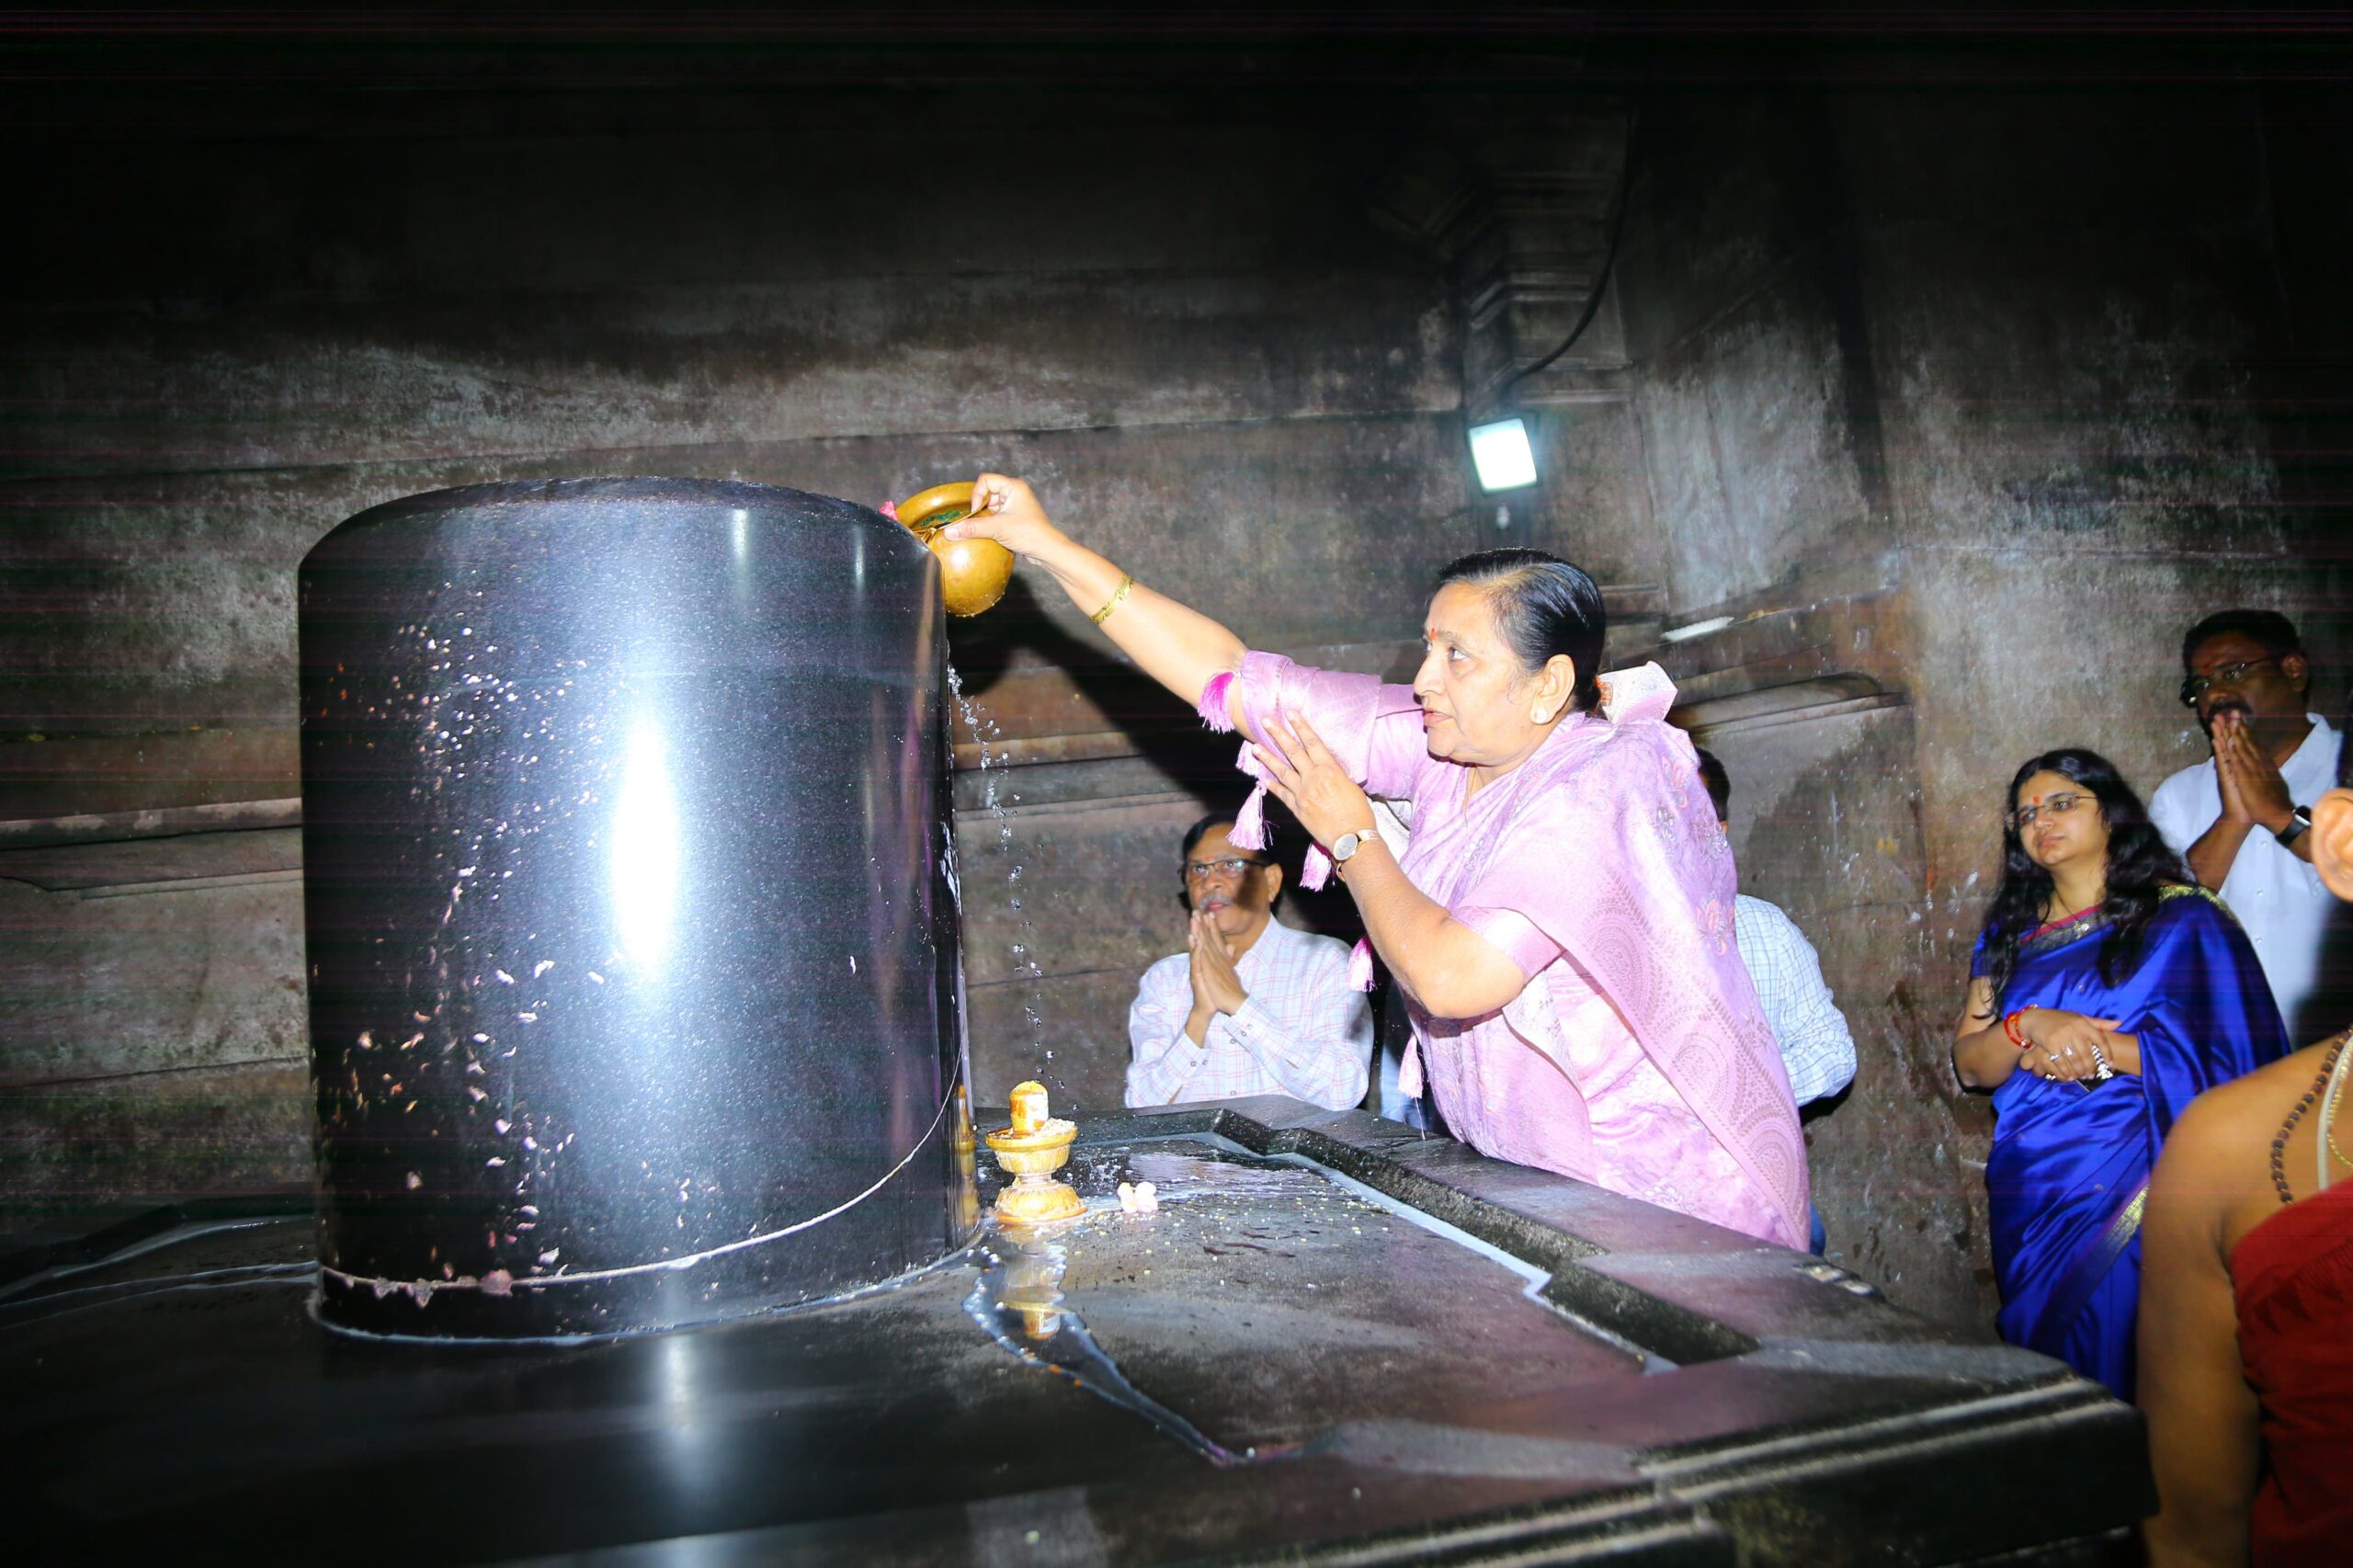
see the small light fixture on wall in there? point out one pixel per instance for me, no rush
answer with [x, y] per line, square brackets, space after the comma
[1500, 454]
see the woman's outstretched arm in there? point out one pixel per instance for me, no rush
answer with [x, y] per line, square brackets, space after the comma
[1178, 646]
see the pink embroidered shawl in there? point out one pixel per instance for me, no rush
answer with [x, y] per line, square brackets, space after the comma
[1604, 842]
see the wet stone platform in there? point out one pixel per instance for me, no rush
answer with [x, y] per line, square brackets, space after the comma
[1336, 1341]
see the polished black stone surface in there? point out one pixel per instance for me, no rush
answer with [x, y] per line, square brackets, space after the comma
[1338, 1342]
[634, 983]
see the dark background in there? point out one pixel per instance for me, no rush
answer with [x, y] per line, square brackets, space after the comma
[1961, 363]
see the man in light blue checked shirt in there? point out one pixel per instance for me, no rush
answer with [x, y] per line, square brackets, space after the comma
[1251, 1006]
[1816, 1044]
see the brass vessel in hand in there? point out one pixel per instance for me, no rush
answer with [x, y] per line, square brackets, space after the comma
[973, 572]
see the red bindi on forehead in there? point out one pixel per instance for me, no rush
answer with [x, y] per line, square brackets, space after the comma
[2066, 787]
[1460, 610]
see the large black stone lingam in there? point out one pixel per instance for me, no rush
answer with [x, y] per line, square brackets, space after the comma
[635, 977]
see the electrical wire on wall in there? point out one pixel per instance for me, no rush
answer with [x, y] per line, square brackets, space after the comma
[1600, 280]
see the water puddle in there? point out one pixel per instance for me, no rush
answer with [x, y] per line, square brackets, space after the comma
[1019, 1302]
[1214, 1202]
[1192, 1176]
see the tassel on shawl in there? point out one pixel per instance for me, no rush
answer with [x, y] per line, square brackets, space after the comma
[1250, 826]
[1212, 705]
[1250, 830]
[1250, 822]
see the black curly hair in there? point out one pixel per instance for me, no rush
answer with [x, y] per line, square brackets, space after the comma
[2140, 866]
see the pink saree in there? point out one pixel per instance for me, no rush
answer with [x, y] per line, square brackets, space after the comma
[1637, 1057]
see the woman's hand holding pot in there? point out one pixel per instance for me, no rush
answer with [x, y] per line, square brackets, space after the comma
[1006, 510]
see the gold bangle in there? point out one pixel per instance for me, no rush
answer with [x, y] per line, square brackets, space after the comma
[1119, 597]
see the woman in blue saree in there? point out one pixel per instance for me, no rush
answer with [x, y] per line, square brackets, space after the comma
[2106, 993]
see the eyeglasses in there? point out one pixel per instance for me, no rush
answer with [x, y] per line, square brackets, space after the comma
[1201, 871]
[2197, 687]
[2058, 805]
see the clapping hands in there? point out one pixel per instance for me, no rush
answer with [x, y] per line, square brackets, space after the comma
[2253, 791]
[1217, 984]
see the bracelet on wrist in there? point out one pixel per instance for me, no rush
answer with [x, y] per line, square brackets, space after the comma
[1119, 597]
[2011, 1026]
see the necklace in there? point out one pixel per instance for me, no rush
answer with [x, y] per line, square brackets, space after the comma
[2279, 1141]
[2328, 1115]
[2088, 910]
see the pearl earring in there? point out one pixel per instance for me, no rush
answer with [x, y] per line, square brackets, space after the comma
[1537, 715]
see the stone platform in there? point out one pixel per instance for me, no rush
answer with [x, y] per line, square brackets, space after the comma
[1336, 1341]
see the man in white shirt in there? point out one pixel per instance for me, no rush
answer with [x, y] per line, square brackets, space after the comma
[1251, 1006]
[2240, 817]
[1816, 1046]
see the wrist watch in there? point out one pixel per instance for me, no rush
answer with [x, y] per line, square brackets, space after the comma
[1344, 847]
[2299, 821]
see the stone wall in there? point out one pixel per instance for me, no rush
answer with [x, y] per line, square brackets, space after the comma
[1955, 413]
[257, 310]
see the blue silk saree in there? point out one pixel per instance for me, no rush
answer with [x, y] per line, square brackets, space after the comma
[2071, 1161]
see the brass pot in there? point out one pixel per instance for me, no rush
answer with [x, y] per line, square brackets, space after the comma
[973, 572]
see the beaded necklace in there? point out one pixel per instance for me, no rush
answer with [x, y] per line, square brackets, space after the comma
[2321, 1083]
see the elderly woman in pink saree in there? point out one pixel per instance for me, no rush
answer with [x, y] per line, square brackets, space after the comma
[1562, 920]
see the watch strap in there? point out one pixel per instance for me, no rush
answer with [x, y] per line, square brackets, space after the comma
[2299, 821]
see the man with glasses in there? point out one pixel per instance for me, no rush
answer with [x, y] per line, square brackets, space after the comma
[1251, 1006]
[2240, 817]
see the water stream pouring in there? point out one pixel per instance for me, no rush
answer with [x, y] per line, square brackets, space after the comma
[635, 989]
